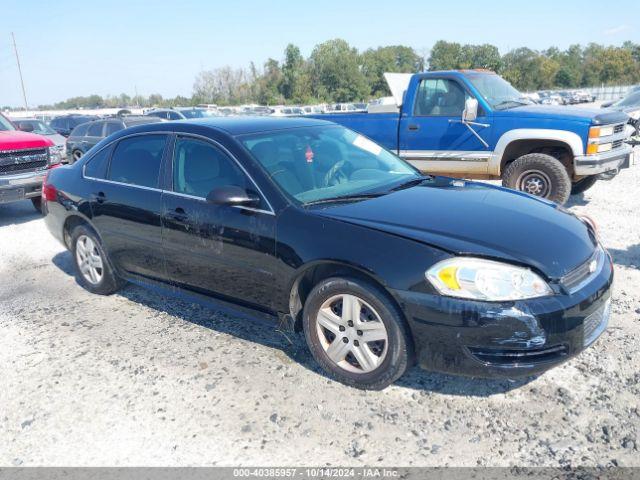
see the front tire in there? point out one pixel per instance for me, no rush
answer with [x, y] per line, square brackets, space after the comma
[583, 184]
[77, 155]
[356, 333]
[92, 266]
[540, 175]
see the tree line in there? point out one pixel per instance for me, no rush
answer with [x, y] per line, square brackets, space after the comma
[338, 72]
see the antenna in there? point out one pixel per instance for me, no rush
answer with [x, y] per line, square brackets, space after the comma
[24, 93]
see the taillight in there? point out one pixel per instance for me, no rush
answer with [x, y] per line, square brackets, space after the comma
[49, 192]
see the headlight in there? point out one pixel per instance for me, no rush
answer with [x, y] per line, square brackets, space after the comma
[55, 156]
[597, 132]
[487, 280]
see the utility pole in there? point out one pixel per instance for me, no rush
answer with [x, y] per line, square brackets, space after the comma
[24, 93]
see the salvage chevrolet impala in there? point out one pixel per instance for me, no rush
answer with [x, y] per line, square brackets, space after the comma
[317, 227]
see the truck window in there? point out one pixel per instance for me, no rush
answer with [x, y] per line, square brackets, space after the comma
[439, 97]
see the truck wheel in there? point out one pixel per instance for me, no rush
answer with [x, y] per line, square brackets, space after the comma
[540, 175]
[583, 185]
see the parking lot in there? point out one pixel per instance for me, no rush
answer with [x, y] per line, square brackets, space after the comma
[137, 379]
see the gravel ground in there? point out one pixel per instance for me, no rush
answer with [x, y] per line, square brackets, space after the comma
[136, 379]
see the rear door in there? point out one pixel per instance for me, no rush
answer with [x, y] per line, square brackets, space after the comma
[432, 135]
[225, 251]
[126, 203]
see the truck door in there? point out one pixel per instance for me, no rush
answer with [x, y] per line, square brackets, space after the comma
[432, 135]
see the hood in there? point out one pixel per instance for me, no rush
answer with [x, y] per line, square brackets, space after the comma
[595, 116]
[17, 140]
[479, 220]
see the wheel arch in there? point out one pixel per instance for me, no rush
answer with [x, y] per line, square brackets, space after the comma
[518, 142]
[311, 274]
[71, 222]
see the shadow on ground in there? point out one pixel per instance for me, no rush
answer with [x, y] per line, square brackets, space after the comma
[577, 201]
[629, 257]
[18, 213]
[293, 345]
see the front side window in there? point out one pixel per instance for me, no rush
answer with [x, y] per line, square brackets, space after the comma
[440, 97]
[95, 129]
[80, 130]
[319, 163]
[173, 116]
[199, 167]
[112, 127]
[136, 160]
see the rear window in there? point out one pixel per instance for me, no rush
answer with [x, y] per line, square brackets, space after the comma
[136, 160]
[96, 166]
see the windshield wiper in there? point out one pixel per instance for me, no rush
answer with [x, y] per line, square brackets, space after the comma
[516, 103]
[346, 198]
[411, 183]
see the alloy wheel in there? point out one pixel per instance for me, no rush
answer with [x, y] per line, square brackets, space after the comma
[89, 260]
[352, 334]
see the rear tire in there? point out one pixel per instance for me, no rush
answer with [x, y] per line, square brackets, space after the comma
[367, 343]
[37, 203]
[583, 184]
[91, 264]
[540, 175]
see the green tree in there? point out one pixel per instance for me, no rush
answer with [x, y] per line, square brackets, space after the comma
[395, 58]
[335, 72]
[296, 85]
[445, 56]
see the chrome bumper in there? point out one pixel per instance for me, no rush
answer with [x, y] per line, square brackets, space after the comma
[603, 162]
[30, 184]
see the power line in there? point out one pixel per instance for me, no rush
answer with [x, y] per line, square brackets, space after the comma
[24, 93]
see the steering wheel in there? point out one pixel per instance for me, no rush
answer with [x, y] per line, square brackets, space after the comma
[336, 174]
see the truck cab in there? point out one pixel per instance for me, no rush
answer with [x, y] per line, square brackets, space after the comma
[474, 124]
[24, 160]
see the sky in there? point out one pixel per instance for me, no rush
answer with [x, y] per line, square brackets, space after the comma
[70, 47]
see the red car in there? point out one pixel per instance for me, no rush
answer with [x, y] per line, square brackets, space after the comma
[24, 160]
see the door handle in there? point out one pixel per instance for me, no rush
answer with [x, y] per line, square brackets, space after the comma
[179, 215]
[99, 197]
[414, 127]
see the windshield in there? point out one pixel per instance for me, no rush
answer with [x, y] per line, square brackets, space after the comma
[5, 124]
[38, 127]
[320, 163]
[498, 93]
[631, 100]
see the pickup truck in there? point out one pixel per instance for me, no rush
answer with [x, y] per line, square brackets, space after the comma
[474, 124]
[24, 160]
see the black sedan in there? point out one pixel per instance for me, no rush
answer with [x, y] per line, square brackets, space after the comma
[312, 225]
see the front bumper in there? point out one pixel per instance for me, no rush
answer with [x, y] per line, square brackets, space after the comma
[21, 186]
[506, 339]
[585, 165]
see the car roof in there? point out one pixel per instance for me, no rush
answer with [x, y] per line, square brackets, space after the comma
[250, 124]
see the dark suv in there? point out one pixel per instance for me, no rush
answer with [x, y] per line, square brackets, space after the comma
[66, 123]
[85, 136]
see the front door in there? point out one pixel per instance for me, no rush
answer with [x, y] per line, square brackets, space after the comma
[221, 250]
[126, 202]
[432, 135]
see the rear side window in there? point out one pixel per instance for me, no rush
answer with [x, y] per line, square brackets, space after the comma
[96, 167]
[95, 129]
[80, 130]
[136, 160]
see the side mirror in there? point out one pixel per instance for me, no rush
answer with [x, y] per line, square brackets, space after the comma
[470, 112]
[25, 127]
[233, 196]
